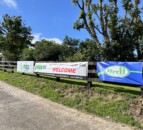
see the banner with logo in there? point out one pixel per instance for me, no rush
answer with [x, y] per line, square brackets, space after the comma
[121, 72]
[74, 68]
[25, 66]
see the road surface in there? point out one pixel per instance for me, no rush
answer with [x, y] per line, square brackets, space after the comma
[21, 110]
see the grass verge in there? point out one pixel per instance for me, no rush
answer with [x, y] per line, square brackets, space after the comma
[119, 103]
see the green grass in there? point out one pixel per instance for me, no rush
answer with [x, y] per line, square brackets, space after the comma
[105, 100]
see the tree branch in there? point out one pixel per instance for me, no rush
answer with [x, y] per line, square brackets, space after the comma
[98, 29]
[79, 5]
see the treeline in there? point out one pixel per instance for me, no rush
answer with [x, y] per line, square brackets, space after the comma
[15, 44]
[16, 38]
[70, 50]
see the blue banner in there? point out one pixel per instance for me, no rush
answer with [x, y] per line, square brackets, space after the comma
[121, 72]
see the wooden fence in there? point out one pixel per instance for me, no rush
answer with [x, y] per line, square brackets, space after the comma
[8, 66]
[92, 73]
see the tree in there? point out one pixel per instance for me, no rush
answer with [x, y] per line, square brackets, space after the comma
[103, 20]
[14, 37]
[89, 51]
[72, 44]
[75, 57]
[47, 51]
[28, 54]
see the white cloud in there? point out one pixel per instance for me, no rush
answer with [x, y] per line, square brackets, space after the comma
[38, 37]
[10, 3]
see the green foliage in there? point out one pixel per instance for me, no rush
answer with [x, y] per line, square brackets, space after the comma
[48, 51]
[121, 34]
[78, 25]
[70, 50]
[28, 54]
[71, 42]
[75, 57]
[89, 50]
[81, 51]
[14, 37]
[65, 52]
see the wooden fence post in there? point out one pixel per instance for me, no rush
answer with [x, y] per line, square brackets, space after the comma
[142, 91]
[4, 66]
[11, 67]
[91, 73]
[37, 75]
[89, 83]
[58, 79]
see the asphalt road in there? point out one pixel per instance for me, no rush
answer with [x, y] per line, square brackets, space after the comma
[21, 110]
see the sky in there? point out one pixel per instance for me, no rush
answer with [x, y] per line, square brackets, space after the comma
[49, 19]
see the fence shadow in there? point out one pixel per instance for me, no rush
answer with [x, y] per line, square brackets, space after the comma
[107, 85]
[120, 90]
[67, 81]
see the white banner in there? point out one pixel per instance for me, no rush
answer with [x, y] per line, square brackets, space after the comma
[25, 66]
[73, 68]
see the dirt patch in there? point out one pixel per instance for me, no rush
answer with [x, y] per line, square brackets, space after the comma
[137, 109]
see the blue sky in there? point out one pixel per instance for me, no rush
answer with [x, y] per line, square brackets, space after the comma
[50, 19]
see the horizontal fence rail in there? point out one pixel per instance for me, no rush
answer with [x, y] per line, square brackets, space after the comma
[8, 66]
